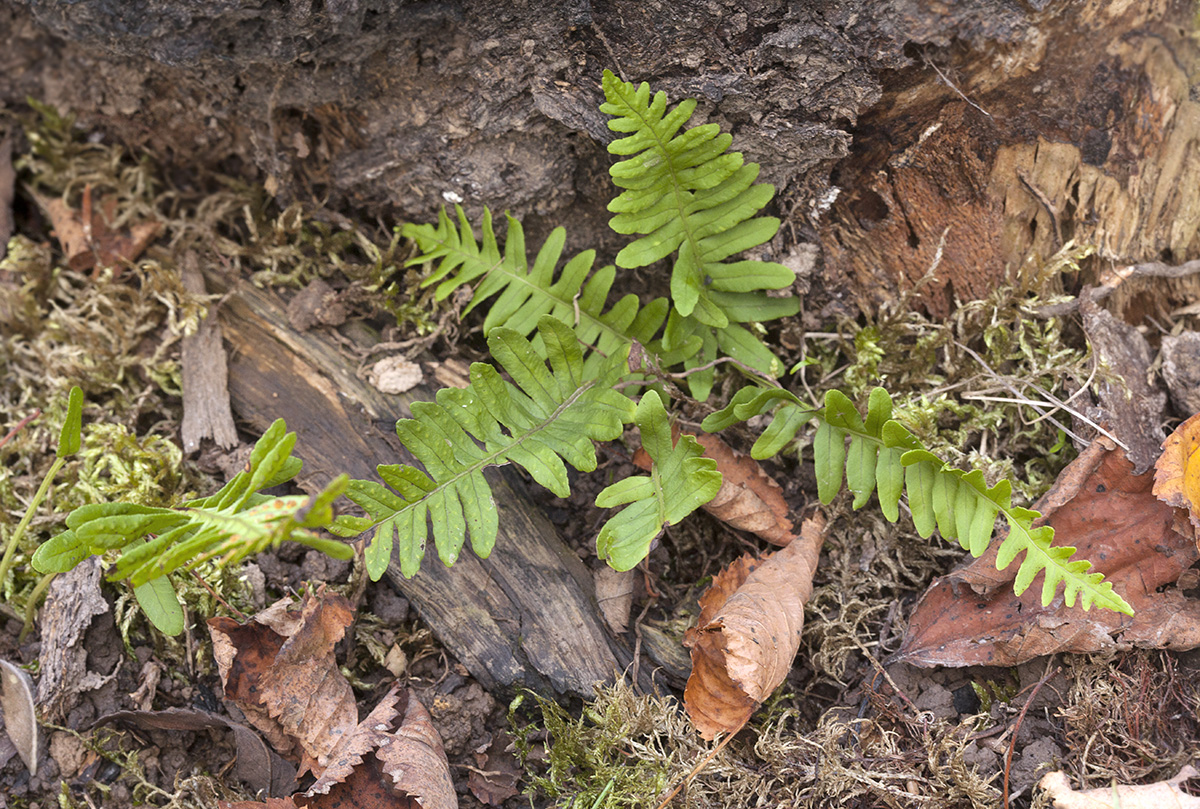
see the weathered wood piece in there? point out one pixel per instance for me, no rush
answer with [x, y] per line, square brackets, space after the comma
[525, 617]
[206, 412]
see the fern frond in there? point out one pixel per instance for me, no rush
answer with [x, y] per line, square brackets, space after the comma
[681, 480]
[577, 296]
[544, 417]
[881, 455]
[234, 523]
[687, 195]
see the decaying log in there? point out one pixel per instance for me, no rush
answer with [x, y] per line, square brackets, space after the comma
[524, 618]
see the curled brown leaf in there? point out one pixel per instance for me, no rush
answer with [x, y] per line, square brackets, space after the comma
[748, 632]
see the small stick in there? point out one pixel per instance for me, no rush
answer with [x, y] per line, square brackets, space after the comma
[1012, 745]
[703, 763]
[20, 426]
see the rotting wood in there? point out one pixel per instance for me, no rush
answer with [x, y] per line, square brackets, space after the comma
[526, 617]
[206, 412]
[1088, 135]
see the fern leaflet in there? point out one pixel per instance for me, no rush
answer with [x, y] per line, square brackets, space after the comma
[541, 418]
[526, 294]
[681, 480]
[883, 456]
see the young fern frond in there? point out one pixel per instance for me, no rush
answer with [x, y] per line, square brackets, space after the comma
[688, 196]
[883, 456]
[526, 294]
[541, 418]
[680, 481]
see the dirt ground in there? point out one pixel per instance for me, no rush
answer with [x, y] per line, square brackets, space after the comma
[848, 727]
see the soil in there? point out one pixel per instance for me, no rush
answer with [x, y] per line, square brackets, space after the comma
[985, 732]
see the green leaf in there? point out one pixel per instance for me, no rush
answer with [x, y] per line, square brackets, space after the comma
[70, 437]
[680, 481]
[158, 600]
[60, 553]
[684, 194]
[958, 504]
[546, 417]
[521, 295]
[829, 454]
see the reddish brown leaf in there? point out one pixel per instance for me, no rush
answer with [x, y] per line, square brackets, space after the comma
[1111, 516]
[87, 237]
[393, 759]
[749, 499]
[1177, 472]
[281, 671]
[748, 632]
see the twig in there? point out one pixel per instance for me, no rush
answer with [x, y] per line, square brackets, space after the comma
[1012, 745]
[241, 616]
[20, 426]
[703, 763]
[951, 85]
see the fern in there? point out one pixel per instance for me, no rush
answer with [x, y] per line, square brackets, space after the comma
[526, 294]
[543, 417]
[883, 456]
[688, 196]
[681, 480]
[234, 523]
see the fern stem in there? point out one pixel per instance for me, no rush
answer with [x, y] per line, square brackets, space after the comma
[19, 532]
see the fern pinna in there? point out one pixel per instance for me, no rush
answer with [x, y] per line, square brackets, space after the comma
[880, 454]
[687, 196]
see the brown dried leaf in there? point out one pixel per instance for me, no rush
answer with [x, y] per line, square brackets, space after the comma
[749, 499]
[1111, 516]
[258, 766]
[494, 780]
[1177, 472]
[749, 631]
[1163, 795]
[392, 759]
[88, 241]
[18, 713]
[281, 672]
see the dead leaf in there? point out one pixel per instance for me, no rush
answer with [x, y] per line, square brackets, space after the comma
[494, 780]
[392, 759]
[748, 632]
[749, 499]
[614, 595]
[281, 672]
[87, 237]
[258, 766]
[1177, 472]
[1111, 516]
[1163, 795]
[18, 712]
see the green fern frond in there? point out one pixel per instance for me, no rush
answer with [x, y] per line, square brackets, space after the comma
[526, 294]
[681, 480]
[881, 455]
[543, 417]
[234, 523]
[688, 196]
